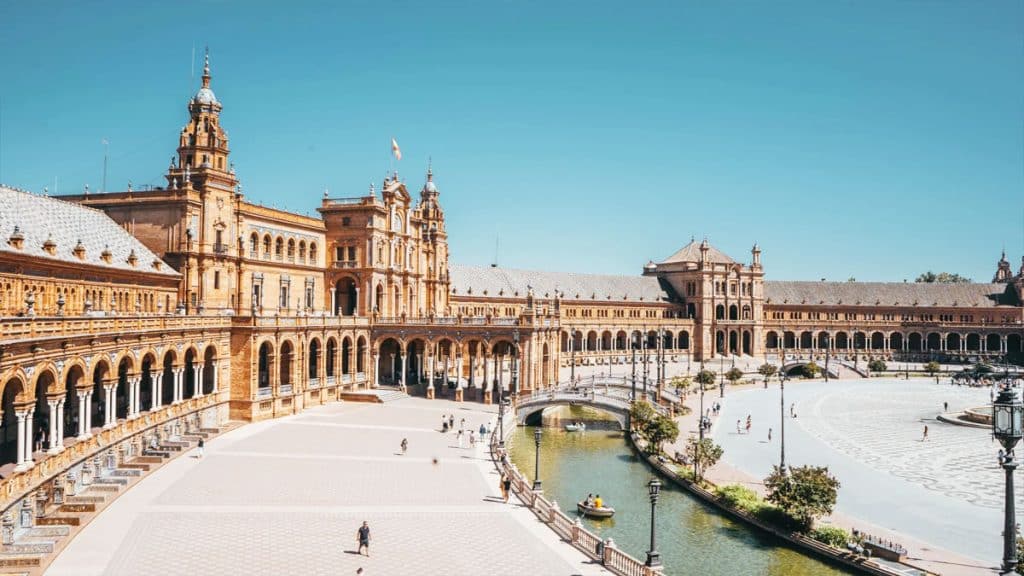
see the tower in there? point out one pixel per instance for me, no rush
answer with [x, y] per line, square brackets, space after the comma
[1003, 271]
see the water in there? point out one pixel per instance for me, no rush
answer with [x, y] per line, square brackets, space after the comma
[692, 537]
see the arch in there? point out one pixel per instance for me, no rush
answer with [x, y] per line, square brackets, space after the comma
[345, 297]
[771, 340]
[209, 373]
[877, 341]
[1014, 343]
[279, 247]
[577, 341]
[415, 354]
[652, 340]
[361, 355]
[666, 340]
[896, 340]
[378, 299]
[346, 355]
[720, 312]
[620, 340]
[824, 340]
[313, 360]
[746, 315]
[389, 361]
[291, 248]
[167, 385]
[934, 341]
[331, 359]
[788, 339]
[973, 343]
[952, 342]
[74, 376]
[14, 395]
[606, 340]
[842, 341]
[266, 246]
[993, 343]
[806, 340]
[264, 365]
[733, 342]
[591, 341]
[720, 342]
[285, 361]
[915, 343]
[312, 253]
[733, 312]
[124, 372]
[683, 340]
[302, 250]
[860, 340]
[746, 342]
[254, 244]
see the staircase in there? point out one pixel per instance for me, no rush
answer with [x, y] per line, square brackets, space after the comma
[380, 395]
[33, 540]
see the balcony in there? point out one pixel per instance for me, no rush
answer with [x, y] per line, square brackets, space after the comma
[220, 248]
[344, 263]
[284, 389]
[263, 393]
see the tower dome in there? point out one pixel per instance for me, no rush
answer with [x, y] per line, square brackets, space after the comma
[205, 95]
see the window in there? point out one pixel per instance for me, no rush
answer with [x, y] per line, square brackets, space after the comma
[284, 294]
[253, 244]
[312, 252]
[346, 221]
[351, 253]
[216, 280]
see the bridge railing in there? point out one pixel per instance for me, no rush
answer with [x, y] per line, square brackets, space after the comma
[569, 529]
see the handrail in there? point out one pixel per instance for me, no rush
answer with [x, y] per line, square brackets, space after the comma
[570, 529]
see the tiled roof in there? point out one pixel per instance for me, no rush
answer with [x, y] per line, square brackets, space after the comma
[884, 294]
[474, 280]
[39, 218]
[691, 253]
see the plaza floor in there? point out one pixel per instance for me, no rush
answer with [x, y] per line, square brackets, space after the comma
[945, 491]
[286, 497]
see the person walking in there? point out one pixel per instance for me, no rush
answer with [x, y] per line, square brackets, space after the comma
[945, 406]
[405, 445]
[748, 425]
[201, 447]
[506, 485]
[451, 421]
[472, 439]
[363, 537]
[462, 425]
[769, 434]
[459, 436]
[925, 437]
[738, 430]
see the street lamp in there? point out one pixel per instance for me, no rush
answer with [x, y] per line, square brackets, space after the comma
[721, 383]
[653, 558]
[782, 421]
[536, 462]
[514, 384]
[635, 344]
[643, 343]
[572, 357]
[700, 429]
[1007, 413]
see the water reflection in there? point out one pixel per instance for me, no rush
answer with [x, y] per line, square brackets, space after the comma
[692, 538]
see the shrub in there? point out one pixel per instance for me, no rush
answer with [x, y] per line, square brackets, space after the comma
[811, 370]
[832, 535]
[740, 497]
[877, 366]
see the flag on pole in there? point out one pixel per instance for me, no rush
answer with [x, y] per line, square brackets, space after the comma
[396, 150]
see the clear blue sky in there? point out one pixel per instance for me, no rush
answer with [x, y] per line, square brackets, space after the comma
[873, 139]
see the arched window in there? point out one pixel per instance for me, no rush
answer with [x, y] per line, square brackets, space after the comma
[312, 252]
[266, 245]
[291, 248]
[254, 243]
[279, 247]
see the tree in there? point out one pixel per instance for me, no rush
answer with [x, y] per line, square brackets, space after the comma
[734, 375]
[705, 453]
[767, 370]
[658, 431]
[681, 384]
[942, 278]
[811, 370]
[932, 367]
[705, 378]
[805, 493]
[877, 365]
[640, 413]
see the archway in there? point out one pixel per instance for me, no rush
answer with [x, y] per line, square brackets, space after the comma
[973, 342]
[191, 362]
[733, 312]
[720, 312]
[167, 386]
[1013, 343]
[842, 341]
[209, 383]
[46, 390]
[13, 396]
[285, 358]
[72, 412]
[746, 343]
[389, 361]
[953, 342]
[146, 384]
[771, 340]
[896, 341]
[361, 356]
[100, 373]
[263, 368]
[684, 340]
[914, 342]
[993, 343]
[330, 360]
[877, 341]
[313, 362]
[733, 342]
[346, 357]
[806, 340]
[934, 341]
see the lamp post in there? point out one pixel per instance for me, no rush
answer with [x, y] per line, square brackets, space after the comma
[721, 383]
[653, 558]
[782, 422]
[514, 369]
[572, 358]
[1007, 413]
[643, 344]
[536, 461]
[700, 429]
[635, 344]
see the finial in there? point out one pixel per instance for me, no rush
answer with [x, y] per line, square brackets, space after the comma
[325, 192]
[430, 168]
[86, 189]
[129, 185]
[206, 69]
[372, 193]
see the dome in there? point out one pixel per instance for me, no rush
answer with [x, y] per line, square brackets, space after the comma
[205, 96]
[430, 186]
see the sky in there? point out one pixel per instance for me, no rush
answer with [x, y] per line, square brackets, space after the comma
[867, 139]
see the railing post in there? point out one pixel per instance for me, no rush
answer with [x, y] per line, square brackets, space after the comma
[551, 511]
[606, 555]
[576, 530]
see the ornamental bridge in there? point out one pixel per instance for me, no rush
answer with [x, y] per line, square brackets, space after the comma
[611, 395]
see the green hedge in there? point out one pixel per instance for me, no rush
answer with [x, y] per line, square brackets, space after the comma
[747, 500]
[832, 535]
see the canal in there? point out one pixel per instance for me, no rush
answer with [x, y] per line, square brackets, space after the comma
[692, 537]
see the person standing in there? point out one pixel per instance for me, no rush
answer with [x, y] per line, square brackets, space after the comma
[462, 425]
[451, 421]
[460, 438]
[769, 434]
[472, 439]
[945, 406]
[506, 486]
[925, 437]
[201, 447]
[363, 537]
[405, 445]
[738, 430]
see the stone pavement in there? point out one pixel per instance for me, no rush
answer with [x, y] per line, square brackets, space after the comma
[941, 498]
[286, 496]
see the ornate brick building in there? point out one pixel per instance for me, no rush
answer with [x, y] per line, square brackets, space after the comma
[127, 309]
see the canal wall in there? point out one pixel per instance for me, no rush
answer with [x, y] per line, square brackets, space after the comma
[834, 555]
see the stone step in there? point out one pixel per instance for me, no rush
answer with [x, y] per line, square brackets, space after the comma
[105, 487]
[20, 560]
[161, 454]
[126, 472]
[147, 460]
[85, 499]
[109, 480]
[174, 445]
[210, 430]
[48, 532]
[78, 508]
[58, 521]
[27, 548]
[133, 465]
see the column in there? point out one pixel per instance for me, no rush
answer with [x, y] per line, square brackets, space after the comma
[430, 376]
[108, 406]
[60, 425]
[156, 389]
[130, 381]
[404, 368]
[53, 426]
[83, 415]
[21, 465]
[376, 371]
[179, 385]
[28, 438]
[472, 370]
[487, 380]
[216, 372]
[197, 380]
[87, 432]
[334, 297]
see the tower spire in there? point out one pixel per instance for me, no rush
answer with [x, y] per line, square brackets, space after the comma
[206, 68]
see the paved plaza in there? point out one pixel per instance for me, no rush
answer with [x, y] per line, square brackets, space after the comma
[946, 490]
[286, 497]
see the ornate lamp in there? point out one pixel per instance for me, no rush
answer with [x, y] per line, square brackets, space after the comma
[1008, 427]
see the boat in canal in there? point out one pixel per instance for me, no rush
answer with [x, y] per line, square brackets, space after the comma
[595, 512]
[575, 427]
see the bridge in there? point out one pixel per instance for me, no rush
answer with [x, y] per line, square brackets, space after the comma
[610, 395]
[836, 368]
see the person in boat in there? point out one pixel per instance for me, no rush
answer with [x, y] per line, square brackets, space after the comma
[598, 503]
[589, 502]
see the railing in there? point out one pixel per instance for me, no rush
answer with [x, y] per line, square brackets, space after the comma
[284, 389]
[344, 263]
[309, 321]
[356, 201]
[314, 383]
[41, 327]
[331, 380]
[220, 248]
[263, 392]
[569, 529]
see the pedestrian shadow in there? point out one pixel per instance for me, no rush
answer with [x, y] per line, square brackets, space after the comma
[497, 499]
[355, 552]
